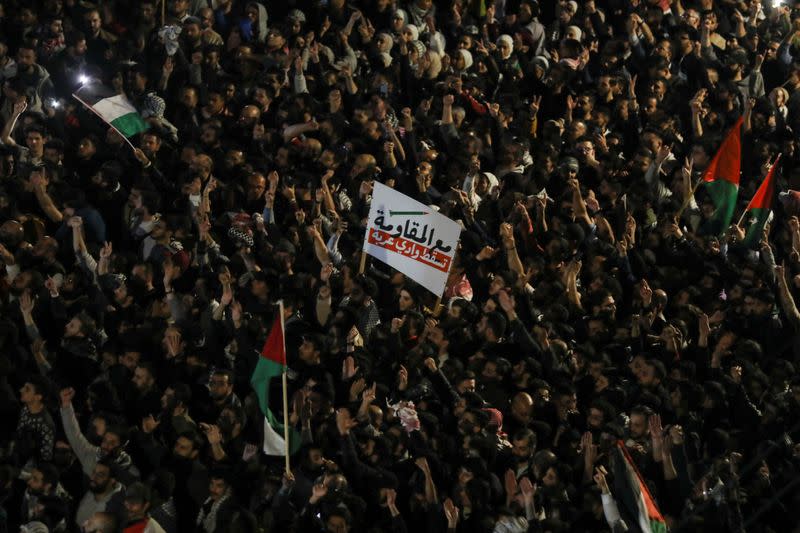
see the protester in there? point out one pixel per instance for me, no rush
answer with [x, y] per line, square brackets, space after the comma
[611, 331]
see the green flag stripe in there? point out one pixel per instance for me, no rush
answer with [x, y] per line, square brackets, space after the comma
[265, 370]
[130, 124]
[758, 219]
[723, 194]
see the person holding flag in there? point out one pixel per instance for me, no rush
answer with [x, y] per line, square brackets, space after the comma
[759, 210]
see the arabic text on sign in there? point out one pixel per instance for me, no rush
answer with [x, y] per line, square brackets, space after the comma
[428, 256]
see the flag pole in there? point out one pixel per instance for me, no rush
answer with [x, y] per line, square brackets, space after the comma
[741, 218]
[689, 198]
[113, 127]
[163, 11]
[363, 262]
[437, 307]
[285, 397]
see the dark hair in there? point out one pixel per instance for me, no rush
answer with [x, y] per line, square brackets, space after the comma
[497, 323]
[182, 392]
[49, 472]
[526, 434]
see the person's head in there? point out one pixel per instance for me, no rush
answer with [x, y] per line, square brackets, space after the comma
[151, 143]
[87, 147]
[758, 302]
[522, 407]
[191, 29]
[43, 479]
[249, 115]
[102, 477]
[34, 392]
[311, 348]
[114, 439]
[652, 373]
[565, 400]
[230, 422]
[217, 485]
[638, 424]
[93, 21]
[215, 101]
[143, 377]
[220, 384]
[35, 139]
[26, 56]
[492, 326]
[179, 8]
[100, 522]
[338, 520]
[137, 501]
[176, 398]
[81, 325]
[523, 445]
[187, 445]
[364, 289]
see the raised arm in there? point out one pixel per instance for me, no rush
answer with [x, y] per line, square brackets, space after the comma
[786, 298]
[81, 446]
[44, 199]
[19, 108]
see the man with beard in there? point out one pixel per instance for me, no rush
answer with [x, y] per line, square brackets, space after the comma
[361, 297]
[76, 358]
[138, 498]
[105, 493]
[98, 40]
[225, 437]
[175, 419]
[44, 254]
[191, 476]
[220, 390]
[147, 400]
[34, 77]
[69, 63]
[42, 485]
[114, 440]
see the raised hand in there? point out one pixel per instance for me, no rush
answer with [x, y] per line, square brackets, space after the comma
[66, 396]
[402, 379]
[527, 489]
[600, 479]
[318, 492]
[20, 106]
[451, 513]
[430, 364]
[149, 424]
[369, 394]
[344, 422]
[26, 303]
[349, 368]
[510, 484]
[356, 388]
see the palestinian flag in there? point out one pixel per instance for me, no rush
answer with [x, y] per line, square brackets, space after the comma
[113, 108]
[633, 498]
[760, 207]
[721, 178]
[272, 364]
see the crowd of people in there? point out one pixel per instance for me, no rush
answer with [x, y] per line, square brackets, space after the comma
[593, 302]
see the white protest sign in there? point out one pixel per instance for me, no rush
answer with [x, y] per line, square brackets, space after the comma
[411, 237]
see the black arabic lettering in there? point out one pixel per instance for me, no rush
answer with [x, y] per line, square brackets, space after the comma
[379, 222]
[439, 246]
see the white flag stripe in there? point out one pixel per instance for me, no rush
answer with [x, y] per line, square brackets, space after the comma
[113, 108]
[273, 443]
